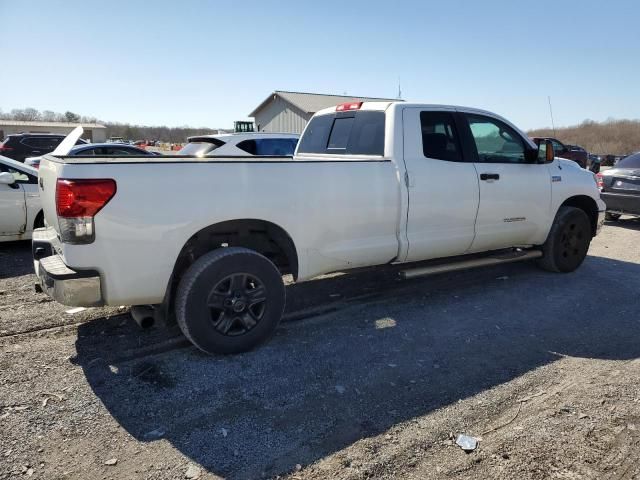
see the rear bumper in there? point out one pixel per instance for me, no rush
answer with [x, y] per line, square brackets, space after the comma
[621, 203]
[81, 288]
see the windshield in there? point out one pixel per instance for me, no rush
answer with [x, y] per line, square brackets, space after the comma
[632, 161]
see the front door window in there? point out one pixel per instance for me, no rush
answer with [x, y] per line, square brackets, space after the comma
[495, 141]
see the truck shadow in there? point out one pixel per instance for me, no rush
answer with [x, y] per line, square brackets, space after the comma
[323, 383]
[15, 259]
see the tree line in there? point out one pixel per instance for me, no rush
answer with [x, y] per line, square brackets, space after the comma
[114, 129]
[611, 137]
[615, 137]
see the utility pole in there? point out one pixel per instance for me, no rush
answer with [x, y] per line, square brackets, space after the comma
[399, 90]
[551, 112]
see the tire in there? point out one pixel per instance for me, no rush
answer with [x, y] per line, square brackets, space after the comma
[39, 221]
[230, 300]
[568, 241]
[612, 217]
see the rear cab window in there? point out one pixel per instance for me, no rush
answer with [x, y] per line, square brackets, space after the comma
[345, 133]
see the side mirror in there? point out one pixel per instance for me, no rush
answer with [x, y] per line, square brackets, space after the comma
[7, 178]
[545, 152]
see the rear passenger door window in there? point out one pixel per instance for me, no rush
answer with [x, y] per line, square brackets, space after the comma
[275, 146]
[120, 152]
[281, 147]
[41, 143]
[495, 141]
[90, 151]
[440, 138]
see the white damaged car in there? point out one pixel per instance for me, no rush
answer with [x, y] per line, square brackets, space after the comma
[20, 209]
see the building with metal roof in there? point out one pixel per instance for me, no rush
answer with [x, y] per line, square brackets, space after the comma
[94, 132]
[289, 112]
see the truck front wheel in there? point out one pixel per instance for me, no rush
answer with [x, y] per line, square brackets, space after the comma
[568, 241]
[230, 300]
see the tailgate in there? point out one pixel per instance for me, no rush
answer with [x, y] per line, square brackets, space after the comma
[47, 179]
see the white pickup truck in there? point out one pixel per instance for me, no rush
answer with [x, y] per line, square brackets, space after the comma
[209, 239]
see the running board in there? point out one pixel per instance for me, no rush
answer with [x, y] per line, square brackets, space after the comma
[509, 257]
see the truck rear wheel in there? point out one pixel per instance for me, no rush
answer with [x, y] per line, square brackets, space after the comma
[230, 300]
[568, 241]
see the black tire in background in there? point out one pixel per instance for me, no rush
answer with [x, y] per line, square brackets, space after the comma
[568, 241]
[230, 300]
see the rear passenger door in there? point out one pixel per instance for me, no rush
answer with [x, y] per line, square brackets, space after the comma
[515, 196]
[442, 185]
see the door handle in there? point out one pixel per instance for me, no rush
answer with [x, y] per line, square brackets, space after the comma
[489, 176]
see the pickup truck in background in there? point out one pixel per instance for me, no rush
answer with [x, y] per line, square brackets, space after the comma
[207, 240]
[570, 152]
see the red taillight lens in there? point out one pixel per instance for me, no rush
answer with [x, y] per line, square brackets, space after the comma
[5, 149]
[83, 198]
[343, 107]
[599, 180]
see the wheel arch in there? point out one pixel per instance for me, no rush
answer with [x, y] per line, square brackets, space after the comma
[586, 204]
[262, 236]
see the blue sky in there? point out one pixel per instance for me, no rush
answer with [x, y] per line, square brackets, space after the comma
[207, 63]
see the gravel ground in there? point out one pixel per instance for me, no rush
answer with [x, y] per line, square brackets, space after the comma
[367, 377]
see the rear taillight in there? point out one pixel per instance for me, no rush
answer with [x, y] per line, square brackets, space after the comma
[599, 180]
[5, 149]
[77, 202]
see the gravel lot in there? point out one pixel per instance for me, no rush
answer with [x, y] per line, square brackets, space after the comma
[368, 377]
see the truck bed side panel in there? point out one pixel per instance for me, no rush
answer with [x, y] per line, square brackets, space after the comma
[341, 214]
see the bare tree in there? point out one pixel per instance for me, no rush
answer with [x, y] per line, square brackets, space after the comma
[49, 116]
[71, 117]
[25, 115]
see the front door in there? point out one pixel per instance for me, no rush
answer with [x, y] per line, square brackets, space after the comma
[442, 185]
[13, 212]
[515, 196]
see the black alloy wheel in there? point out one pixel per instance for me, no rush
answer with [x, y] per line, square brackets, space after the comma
[237, 304]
